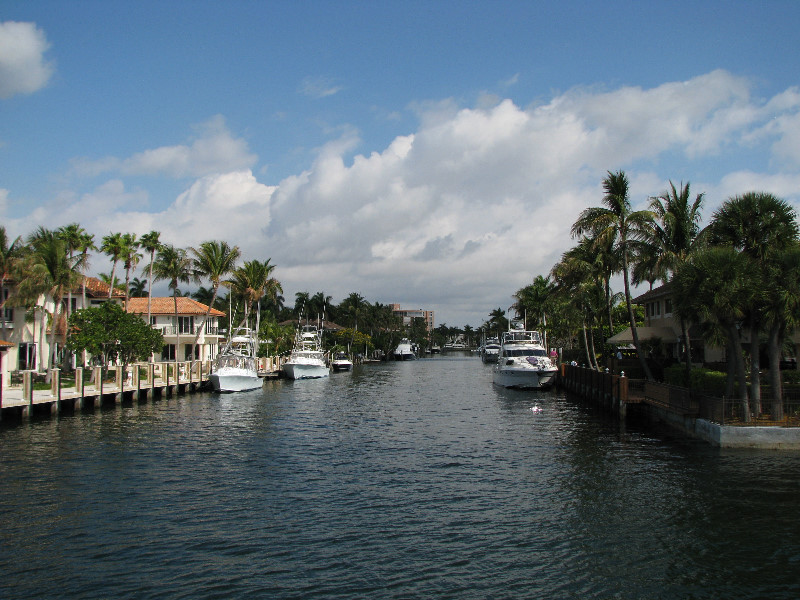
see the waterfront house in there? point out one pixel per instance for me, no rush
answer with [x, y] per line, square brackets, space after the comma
[30, 330]
[179, 336]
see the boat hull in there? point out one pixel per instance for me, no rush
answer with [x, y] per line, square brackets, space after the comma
[305, 371]
[234, 382]
[524, 379]
[340, 367]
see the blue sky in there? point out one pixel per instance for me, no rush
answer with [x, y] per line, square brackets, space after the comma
[433, 154]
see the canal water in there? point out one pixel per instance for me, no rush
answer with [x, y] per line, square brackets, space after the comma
[401, 480]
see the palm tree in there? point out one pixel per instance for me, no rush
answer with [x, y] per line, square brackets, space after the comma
[150, 244]
[301, 301]
[715, 287]
[138, 288]
[54, 272]
[252, 281]
[618, 225]
[174, 265]
[130, 259]
[761, 227]
[498, 321]
[673, 238]
[213, 260]
[114, 246]
[8, 256]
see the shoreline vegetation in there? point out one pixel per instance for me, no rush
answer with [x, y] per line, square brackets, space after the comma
[737, 279]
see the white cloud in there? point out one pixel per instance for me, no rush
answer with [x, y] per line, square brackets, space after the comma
[470, 207]
[214, 150]
[319, 87]
[23, 69]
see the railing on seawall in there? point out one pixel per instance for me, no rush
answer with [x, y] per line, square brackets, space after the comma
[603, 387]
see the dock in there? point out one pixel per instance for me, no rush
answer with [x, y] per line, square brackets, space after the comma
[137, 382]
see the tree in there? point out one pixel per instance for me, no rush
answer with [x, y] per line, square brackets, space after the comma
[674, 237]
[617, 224]
[498, 321]
[54, 272]
[715, 287]
[114, 246]
[9, 253]
[212, 260]
[138, 288]
[111, 333]
[761, 227]
[130, 258]
[174, 265]
[150, 244]
[252, 281]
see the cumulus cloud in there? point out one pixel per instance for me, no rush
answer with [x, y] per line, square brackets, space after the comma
[464, 211]
[23, 68]
[214, 150]
[319, 87]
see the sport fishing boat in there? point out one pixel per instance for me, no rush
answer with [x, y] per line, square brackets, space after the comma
[307, 360]
[236, 368]
[522, 361]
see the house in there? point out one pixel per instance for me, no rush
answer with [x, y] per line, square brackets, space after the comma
[662, 330]
[30, 331]
[180, 336]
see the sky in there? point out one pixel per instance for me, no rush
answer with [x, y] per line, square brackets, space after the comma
[433, 154]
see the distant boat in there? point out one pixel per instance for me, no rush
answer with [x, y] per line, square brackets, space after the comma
[236, 369]
[307, 360]
[490, 350]
[523, 362]
[341, 362]
[405, 350]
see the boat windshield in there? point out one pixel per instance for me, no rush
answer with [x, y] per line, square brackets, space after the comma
[525, 352]
[235, 362]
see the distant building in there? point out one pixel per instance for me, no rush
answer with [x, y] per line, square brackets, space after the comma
[409, 315]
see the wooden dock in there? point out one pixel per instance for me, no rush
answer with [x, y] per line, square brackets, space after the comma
[141, 381]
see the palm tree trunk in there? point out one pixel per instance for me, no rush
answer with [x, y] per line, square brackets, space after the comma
[632, 318]
[203, 323]
[688, 362]
[586, 345]
[150, 285]
[774, 349]
[735, 343]
[177, 330]
[113, 274]
[755, 368]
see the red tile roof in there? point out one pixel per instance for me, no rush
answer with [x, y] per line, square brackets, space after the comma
[166, 306]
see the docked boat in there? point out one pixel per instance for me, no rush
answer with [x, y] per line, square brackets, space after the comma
[307, 360]
[405, 350]
[522, 361]
[341, 362]
[236, 368]
[490, 350]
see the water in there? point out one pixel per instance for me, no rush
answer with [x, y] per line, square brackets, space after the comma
[404, 480]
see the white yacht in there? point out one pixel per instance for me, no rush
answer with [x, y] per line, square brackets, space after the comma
[341, 362]
[307, 360]
[490, 350]
[522, 361]
[405, 350]
[236, 369]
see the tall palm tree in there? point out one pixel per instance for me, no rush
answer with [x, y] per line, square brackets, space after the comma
[55, 272]
[761, 227]
[8, 256]
[174, 265]
[715, 287]
[618, 224]
[498, 321]
[301, 303]
[138, 288]
[673, 238]
[114, 246]
[213, 260]
[150, 244]
[130, 259]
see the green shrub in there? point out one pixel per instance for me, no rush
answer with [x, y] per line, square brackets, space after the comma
[702, 380]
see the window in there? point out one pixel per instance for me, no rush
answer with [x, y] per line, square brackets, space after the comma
[168, 353]
[8, 313]
[668, 306]
[26, 356]
[186, 324]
